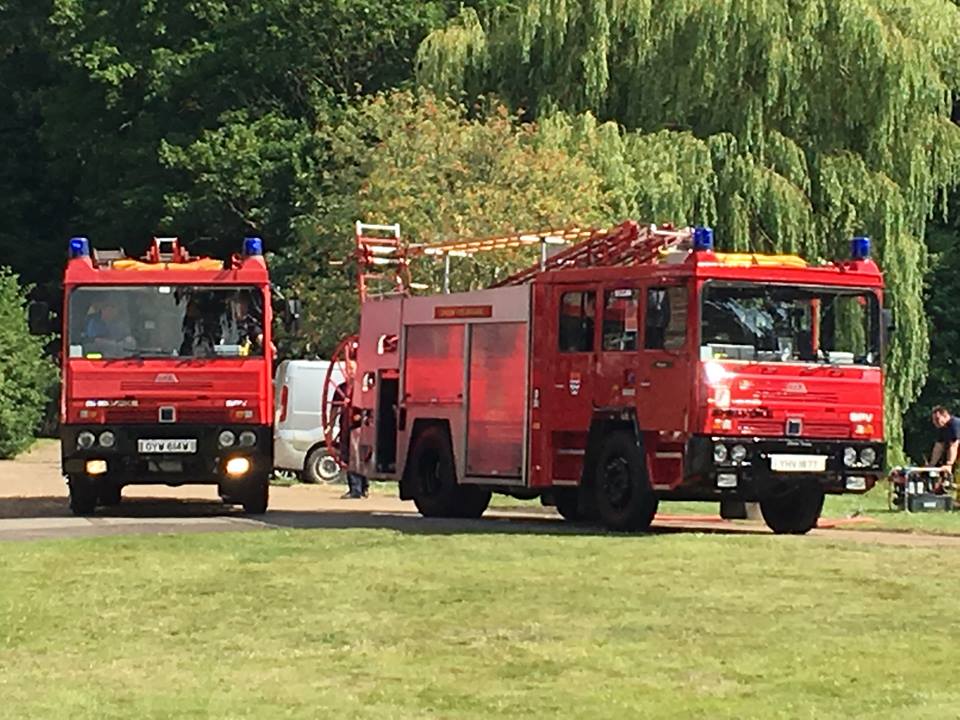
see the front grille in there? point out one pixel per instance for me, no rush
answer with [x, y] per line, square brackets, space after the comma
[151, 385]
[777, 428]
[147, 415]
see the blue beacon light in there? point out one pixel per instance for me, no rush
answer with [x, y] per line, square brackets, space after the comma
[252, 246]
[860, 248]
[703, 239]
[79, 247]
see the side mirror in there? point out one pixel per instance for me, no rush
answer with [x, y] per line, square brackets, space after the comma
[888, 320]
[293, 307]
[38, 318]
[888, 326]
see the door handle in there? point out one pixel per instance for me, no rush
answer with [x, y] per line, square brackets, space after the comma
[645, 383]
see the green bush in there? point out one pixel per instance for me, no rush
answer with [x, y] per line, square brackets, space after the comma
[26, 375]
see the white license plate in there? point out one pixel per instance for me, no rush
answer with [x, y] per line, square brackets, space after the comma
[167, 446]
[798, 463]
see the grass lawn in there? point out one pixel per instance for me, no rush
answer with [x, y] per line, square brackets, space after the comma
[387, 624]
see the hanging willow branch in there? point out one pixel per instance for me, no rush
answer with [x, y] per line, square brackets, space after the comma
[789, 124]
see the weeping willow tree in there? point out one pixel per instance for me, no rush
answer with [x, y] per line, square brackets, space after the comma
[788, 124]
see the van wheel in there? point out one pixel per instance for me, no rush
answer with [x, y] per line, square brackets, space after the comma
[320, 466]
[622, 492]
[83, 495]
[795, 511]
[434, 480]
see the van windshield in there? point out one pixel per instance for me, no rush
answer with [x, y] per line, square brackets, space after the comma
[784, 323]
[165, 321]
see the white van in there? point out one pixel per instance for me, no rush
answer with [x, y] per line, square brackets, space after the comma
[298, 443]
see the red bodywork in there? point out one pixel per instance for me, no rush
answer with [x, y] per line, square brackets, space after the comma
[199, 387]
[669, 389]
[524, 415]
[207, 394]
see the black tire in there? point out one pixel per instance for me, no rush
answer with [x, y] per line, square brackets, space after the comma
[793, 511]
[622, 494]
[568, 504]
[472, 501]
[433, 478]
[315, 468]
[109, 495]
[83, 495]
[257, 496]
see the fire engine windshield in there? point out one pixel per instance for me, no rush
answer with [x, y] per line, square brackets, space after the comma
[778, 323]
[164, 321]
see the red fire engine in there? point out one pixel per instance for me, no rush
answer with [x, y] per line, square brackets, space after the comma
[634, 366]
[166, 373]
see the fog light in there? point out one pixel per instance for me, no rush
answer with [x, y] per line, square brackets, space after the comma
[726, 480]
[85, 440]
[96, 467]
[719, 453]
[248, 438]
[868, 456]
[226, 439]
[107, 439]
[739, 453]
[237, 466]
[855, 482]
[850, 457]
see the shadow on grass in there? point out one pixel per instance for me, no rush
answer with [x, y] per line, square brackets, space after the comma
[498, 522]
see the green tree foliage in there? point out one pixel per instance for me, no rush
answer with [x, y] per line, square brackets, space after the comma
[190, 118]
[943, 379]
[26, 376]
[794, 125]
[413, 160]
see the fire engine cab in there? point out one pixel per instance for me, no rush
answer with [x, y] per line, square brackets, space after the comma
[635, 366]
[166, 373]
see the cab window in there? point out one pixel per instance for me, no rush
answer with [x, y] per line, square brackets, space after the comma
[620, 311]
[665, 324]
[577, 316]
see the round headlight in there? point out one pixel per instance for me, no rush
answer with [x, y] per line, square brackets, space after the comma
[849, 457]
[107, 439]
[738, 453]
[85, 440]
[868, 456]
[226, 439]
[719, 453]
[248, 438]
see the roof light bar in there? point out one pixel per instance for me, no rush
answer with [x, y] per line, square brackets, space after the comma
[252, 246]
[703, 238]
[860, 248]
[79, 247]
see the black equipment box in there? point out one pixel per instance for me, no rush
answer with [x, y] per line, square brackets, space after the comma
[928, 502]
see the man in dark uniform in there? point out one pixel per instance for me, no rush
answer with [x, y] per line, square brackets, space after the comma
[358, 485]
[945, 448]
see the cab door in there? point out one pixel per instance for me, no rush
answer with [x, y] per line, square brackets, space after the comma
[619, 358]
[564, 369]
[663, 385]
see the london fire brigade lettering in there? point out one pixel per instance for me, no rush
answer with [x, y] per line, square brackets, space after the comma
[462, 311]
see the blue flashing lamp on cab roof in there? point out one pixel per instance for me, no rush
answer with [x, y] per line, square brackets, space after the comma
[703, 238]
[79, 247]
[860, 248]
[252, 246]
